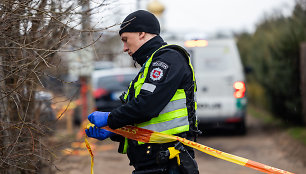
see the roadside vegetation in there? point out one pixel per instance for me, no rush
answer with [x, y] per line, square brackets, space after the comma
[295, 131]
[272, 56]
[34, 36]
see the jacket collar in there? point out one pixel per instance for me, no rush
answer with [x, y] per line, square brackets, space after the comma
[147, 49]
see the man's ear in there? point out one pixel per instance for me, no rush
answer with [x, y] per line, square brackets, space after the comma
[142, 35]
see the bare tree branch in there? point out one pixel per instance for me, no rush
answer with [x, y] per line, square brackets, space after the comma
[32, 33]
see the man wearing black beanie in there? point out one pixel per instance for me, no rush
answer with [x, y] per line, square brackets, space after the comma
[160, 98]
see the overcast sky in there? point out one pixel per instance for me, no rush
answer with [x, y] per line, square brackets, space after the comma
[210, 16]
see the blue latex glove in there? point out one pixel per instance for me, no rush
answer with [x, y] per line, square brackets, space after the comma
[99, 119]
[100, 134]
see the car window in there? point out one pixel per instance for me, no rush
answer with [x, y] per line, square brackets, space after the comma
[115, 82]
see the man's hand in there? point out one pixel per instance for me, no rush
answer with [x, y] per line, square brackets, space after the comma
[100, 134]
[99, 119]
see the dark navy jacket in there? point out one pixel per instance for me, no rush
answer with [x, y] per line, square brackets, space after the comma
[176, 74]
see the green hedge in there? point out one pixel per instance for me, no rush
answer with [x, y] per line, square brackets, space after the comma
[273, 53]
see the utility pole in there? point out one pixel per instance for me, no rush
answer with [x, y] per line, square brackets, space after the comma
[85, 21]
[303, 78]
[137, 4]
[85, 78]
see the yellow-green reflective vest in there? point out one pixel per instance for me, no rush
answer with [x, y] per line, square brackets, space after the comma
[173, 119]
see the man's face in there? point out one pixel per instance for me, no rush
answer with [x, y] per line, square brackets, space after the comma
[131, 42]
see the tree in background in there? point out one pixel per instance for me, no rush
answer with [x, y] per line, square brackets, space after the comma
[32, 32]
[273, 53]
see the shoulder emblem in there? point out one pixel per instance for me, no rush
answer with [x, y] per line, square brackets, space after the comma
[156, 74]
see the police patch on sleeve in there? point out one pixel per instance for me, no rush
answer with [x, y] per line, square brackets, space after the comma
[156, 74]
[158, 71]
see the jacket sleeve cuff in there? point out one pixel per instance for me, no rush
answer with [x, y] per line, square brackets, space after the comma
[111, 122]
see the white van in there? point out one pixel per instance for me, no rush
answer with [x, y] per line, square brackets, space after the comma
[220, 83]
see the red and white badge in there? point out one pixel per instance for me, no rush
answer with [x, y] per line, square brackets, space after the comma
[156, 74]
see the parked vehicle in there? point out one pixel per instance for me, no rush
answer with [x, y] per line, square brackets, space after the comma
[109, 84]
[44, 111]
[221, 88]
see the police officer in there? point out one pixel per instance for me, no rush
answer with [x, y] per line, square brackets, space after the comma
[160, 98]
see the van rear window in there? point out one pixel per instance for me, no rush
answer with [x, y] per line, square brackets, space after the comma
[211, 58]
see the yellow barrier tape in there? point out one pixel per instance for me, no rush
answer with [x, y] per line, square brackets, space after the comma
[91, 155]
[148, 136]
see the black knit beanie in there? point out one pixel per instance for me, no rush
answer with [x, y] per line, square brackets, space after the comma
[140, 21]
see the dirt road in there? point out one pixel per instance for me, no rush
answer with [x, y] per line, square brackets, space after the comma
[260, 144]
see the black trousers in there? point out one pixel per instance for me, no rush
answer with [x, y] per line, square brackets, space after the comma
[170, 168]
